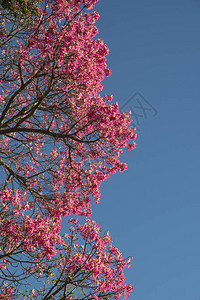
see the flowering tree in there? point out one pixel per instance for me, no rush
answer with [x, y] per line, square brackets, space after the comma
[59, 140]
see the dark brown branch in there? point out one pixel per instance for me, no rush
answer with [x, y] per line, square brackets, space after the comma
[21, 179]
[47, 132]
[18, 92]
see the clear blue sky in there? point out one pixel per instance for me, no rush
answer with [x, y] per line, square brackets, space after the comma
[153, 210]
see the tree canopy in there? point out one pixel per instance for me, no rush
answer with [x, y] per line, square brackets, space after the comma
[59, 139]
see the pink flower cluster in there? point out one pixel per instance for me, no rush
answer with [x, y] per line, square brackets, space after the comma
[5, 292]
[30, 233]
[98, 260]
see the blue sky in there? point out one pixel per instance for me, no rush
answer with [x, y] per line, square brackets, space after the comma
[153, 210]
